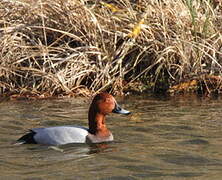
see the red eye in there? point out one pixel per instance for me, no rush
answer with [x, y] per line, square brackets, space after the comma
[108, 100]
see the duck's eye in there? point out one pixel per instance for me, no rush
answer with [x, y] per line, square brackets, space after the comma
[108, 100]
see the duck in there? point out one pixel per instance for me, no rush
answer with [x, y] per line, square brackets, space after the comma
[97, 132]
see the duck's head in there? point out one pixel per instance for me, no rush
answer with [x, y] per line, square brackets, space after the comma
[105, 103]
[102, 104]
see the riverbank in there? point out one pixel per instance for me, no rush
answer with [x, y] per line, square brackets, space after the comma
[69, 48]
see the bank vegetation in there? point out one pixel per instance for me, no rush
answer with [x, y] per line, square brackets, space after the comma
[79, 47]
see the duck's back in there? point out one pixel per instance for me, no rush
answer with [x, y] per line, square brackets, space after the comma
[58, 135]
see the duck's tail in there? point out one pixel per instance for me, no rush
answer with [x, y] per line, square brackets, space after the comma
[27, 138]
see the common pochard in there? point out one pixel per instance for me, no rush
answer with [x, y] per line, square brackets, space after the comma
[102, 104]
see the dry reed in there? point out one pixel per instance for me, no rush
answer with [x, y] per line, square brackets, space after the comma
[79, 46]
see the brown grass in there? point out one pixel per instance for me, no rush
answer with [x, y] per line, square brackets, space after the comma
[74, 47]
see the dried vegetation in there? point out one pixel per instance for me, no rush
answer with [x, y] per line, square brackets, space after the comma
[72, 47]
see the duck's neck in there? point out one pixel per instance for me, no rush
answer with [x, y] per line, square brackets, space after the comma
[97, 124]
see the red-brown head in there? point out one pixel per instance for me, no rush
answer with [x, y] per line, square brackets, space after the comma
[102, 104]
[105, 103]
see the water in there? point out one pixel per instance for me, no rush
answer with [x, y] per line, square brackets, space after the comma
[164, 138]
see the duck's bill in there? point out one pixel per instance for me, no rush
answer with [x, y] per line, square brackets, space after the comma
[120, 110]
